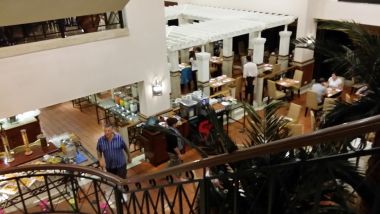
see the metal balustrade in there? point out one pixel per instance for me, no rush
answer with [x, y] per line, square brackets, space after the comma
[61, 28]
[246, 181]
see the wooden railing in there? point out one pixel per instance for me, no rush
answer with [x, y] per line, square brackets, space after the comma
[155, 191]
[355, 128]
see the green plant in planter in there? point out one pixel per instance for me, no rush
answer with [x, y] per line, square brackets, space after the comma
[361, 60]
[296, 181]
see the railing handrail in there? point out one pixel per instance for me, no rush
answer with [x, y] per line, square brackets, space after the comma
[68, 167]
[340, 131]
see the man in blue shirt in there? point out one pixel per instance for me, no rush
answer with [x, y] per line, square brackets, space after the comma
[320, 89]
[112, 146]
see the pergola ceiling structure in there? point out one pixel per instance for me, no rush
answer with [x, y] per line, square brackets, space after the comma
[216, 24]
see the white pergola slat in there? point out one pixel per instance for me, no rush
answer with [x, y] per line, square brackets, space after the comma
[216, 24]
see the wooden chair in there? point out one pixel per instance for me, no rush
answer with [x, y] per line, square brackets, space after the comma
[355, 85]
[328, 104]
[311, 102]
[293, 113]
[298, 74]
[272, 59]
[313, 122]
[239, 87]
[276, 68]
[343, 81]
[296, 129]
[273, 93]
[348, 98]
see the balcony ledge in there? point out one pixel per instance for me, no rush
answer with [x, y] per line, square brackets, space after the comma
[15, 12]
[21, 49]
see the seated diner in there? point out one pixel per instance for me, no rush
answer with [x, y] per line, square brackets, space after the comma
[335, 82]
[320, 89]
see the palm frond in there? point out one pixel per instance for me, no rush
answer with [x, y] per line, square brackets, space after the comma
[266, 128]
[305, 42]
[220, 136]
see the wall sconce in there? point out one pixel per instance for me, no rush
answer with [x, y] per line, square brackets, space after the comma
[157, 88]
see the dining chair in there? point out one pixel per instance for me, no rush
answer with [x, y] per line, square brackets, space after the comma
[272, 59]
[298, 74]
[328, 104]
[354, 84]
[239, 87]
[311, 102]
[313, 123]
[296, 129]
[341, 86]
[293, 112]
[348, 98]
[273, 93]
[276, 68]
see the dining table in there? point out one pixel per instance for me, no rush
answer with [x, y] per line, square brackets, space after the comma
[219, 82]
[286, 84]
[332, 92]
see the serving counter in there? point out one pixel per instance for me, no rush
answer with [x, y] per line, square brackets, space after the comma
[28, 121]
[28, 188]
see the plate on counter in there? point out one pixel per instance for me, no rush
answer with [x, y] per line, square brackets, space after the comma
[225, 103]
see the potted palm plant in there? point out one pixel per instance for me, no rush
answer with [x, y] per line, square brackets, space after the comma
[361, 61]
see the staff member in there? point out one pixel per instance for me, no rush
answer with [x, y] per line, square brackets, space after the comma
[112, 146]
[194, 67]
[249, 74]
[173, 143]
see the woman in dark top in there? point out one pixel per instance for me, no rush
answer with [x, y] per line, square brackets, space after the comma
[172, 144]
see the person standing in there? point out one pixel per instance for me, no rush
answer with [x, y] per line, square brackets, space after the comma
[194, 67]
[111, 150]
[249, 75]
[173, 142]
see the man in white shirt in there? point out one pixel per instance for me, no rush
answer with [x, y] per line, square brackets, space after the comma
[249, 75]
[319, 89]
[335, 82]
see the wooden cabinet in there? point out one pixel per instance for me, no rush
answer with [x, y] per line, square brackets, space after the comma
[154, 144]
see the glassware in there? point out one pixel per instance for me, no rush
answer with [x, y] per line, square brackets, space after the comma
[133, 107]
[122, 103]
[117, 97]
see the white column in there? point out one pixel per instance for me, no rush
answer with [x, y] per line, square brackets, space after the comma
[210, 48]
[183, 21]
[175, 75]
[258, 48]
[283, 57]
[284, 42]
[203, 74]
[227, 57]
[184, 56]
[251, 44]
[258, 58]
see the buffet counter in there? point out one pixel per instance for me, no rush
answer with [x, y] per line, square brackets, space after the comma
[28, 121]
[52, 153]
[32, 187]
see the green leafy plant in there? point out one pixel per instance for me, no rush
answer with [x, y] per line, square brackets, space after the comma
[360, 60]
